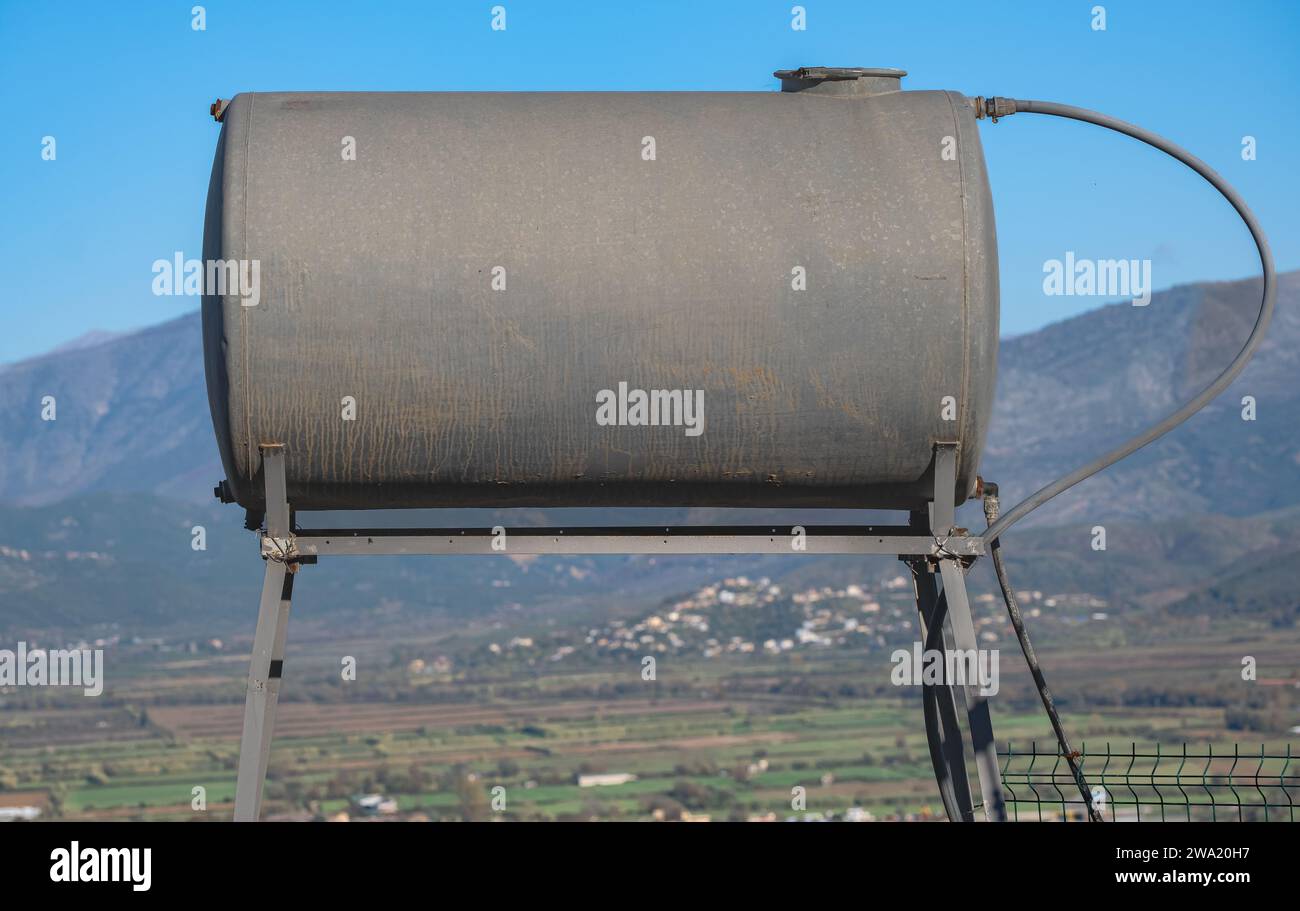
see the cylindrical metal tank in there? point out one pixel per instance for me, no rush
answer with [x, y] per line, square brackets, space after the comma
[469, 277]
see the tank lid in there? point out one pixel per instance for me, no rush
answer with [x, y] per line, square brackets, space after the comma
[841, 80]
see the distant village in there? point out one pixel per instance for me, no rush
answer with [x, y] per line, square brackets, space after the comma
[734, 616]
[740, 615]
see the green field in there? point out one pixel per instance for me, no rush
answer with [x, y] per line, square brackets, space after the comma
[732, 739]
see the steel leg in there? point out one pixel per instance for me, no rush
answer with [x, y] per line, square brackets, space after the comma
[264, 672]
[977, 708]
[943, 518]
[942, 729]
[263, 692]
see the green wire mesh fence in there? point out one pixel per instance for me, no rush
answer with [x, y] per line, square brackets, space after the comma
[1228, 783]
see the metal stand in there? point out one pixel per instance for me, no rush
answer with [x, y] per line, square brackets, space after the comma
[929, 544]
[940, 703]
[263, 695]
[946, 623]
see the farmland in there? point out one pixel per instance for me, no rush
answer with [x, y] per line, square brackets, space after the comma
[721, 739]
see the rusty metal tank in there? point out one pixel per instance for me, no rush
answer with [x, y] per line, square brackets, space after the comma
[462, 310]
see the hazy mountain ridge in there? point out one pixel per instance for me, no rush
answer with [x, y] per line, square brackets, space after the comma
[126, 562]
[1083, 386]
[101, 502]
[133, 414]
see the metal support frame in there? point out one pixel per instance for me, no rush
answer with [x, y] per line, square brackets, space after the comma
[263, 695]
[939, 703]
[946, 622]
[745, 539]
[929, 544]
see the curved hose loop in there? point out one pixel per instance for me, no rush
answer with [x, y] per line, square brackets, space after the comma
[1001, 107]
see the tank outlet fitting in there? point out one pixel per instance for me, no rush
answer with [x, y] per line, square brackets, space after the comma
[993, 108]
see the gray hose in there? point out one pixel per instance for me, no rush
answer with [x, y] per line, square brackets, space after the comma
[1001, 107]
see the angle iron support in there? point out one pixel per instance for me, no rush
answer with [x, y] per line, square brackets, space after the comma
[261, 699]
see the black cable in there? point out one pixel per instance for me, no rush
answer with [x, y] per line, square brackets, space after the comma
[1040, 681]
[996, 108]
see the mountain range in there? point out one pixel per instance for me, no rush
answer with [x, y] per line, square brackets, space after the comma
[98, 507]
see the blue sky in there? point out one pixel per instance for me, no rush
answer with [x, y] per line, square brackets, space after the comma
[125, 88]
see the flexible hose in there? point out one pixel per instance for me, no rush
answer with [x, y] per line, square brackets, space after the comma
[1001, 107]
[1031, 658]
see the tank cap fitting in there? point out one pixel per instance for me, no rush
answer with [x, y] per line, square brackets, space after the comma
[841, 80]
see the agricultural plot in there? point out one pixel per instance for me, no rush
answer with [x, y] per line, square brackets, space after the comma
[739, 740]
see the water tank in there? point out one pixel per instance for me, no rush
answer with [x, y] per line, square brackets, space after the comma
[471, 298]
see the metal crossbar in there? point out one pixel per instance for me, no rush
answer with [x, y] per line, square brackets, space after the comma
[1230, 783]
